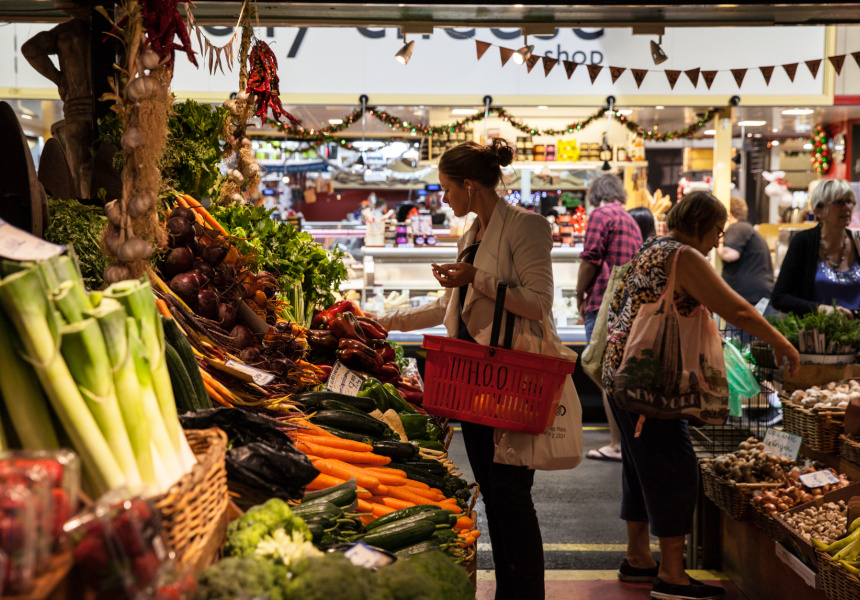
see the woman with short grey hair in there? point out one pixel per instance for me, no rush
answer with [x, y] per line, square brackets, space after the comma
[821, 272]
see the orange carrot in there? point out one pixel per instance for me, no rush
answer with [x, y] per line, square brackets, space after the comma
[387, 471]
[162, 308]
[364, 506]
[430, 495]
[403, 493]
[324, 481]
[386, 478]
[335, 442]
[306, 426]
[464, 522]
[181, 201]
[345, 471]
[353, 458]
[380, 510]
[366, 518]
[417, 484]
[215, 395]
[396, 504]
[381, 490]
[198, 208]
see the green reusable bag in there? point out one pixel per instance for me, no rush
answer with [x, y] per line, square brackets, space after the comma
[741, 380]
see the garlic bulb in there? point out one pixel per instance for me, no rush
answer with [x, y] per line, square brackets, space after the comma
[141, 203]
[236, 176]
[134, 249]
[112, 240]
[116, 271]
[243, 95]
[238, 198]
[114, 213]
[231, 106]
[131, 139]
[142, 87]
[150, 59]
[251, 170]
[246, 143]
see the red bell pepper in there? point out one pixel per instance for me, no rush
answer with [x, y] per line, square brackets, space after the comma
[322, 319]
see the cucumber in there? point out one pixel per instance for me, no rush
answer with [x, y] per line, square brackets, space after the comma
[349, 421]
[402, 450]
[183, 390]
[174, 336]
[432, 466]
[325, 511]
[425, 546]
[348, 435]
[423, 476]
[312, 400]
[399, 535]
[404, 513]
[339, 498]
[317, 530]
[338, 405]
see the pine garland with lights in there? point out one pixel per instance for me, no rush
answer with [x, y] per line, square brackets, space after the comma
[686, 132]
[820, 152]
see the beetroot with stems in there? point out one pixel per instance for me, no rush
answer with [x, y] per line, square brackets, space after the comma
[205, 268]
[214, 254]
[250, 356]
[183, 212]
[186, 286]
[180, 232]
[227, 313]
[207, 304]
[242, 336]
[179, 260]
[229, 274]
[194, 246]
[199, 276]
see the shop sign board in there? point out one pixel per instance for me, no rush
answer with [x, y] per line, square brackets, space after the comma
[347, 62]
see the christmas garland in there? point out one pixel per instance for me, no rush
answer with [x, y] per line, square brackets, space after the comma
[820, 152]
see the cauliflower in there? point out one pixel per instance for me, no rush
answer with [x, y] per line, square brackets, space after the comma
[289, 548]
[246, 532]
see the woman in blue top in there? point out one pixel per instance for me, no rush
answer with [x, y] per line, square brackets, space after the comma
[821, 264]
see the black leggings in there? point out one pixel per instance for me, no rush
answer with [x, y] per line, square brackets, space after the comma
[511, 518]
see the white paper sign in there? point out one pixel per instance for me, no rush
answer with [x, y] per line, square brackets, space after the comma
[782, 443]
[794, 563]
[259, 377]
[17, 244]
[343, 381]
[363, 555]
[818, 478]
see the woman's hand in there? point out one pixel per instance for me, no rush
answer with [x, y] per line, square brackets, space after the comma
[790, 353]
[826, 309]
[455, 274]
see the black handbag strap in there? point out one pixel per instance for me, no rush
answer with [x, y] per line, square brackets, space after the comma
[501, 292]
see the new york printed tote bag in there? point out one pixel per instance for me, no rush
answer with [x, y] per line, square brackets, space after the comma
[673, 366]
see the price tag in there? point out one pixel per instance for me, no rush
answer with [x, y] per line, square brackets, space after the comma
[782, 443]
[17, 244]
[363, 555]
[343, 381]
[818, 478]
[257, 376]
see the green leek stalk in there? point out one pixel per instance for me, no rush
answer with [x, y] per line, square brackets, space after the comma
[70, 304]
[168, 467]
[111, 318]
[83, 347]
[139, 303]
[25, 401]
[25, 300]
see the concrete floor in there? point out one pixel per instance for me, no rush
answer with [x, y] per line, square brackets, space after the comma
[584, 540]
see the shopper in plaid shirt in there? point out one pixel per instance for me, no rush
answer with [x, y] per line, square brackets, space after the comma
[612, 238]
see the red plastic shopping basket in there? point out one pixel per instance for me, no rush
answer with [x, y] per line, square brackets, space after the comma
[492, 386]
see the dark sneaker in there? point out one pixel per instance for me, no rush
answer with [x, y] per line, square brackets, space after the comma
[695, 591]
[636, 575]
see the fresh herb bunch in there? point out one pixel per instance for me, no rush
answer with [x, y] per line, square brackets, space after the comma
[80, 226]
[190, 163]
[309, 274]
[835, 326]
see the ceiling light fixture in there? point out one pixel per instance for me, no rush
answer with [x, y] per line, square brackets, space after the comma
[752, 123]
[710, 132]
[335, 121]
[807, 146]
[26, 116]
[798, 111]
[659, 107]
[464, 111]
[775, 143]
[524, 53]
[543, 107]
[625, 112]
[657, 53]
[405, 53]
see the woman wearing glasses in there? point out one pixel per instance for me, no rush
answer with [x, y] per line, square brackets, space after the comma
[820, 265]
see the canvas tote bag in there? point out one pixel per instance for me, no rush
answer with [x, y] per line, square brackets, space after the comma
[673, 366]
[592, 358]
[560, 445]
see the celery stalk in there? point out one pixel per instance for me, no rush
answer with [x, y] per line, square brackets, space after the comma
[25, 401]
[111, 318]
[25, 300]
[83, 347]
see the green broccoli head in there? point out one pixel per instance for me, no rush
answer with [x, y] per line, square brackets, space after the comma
[433, 572]
[243, 542]
[242, 578]
[403, 582]
[329, 577]
[247, 531]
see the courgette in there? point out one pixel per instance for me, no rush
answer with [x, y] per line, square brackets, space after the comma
[312, 400]
[399, 535]
[183, 390]
[430, 465]
[348, 435]
[423, 476]
[426, 546]
[338, 405]
[349, 421]
[316, 511]
[402, 450]
[405, 513]
[174, 336]
[340, 498]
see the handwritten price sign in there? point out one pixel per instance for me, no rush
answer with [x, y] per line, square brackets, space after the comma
[343, 381]
[819, 478]
[782, 443]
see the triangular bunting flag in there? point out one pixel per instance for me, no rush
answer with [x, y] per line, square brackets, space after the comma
[672, 76]
[506, 54]
[594, 71]
[856, 56]
[548, 64]
[739, 75]
[616, 72]
[709, 76]
[531, 62]
[482, 47]
[766, 72]
[639, 76]
[837, 62]
[218, 60]
[693, 74]
[813, 66]
[790, 70]
[569, 67]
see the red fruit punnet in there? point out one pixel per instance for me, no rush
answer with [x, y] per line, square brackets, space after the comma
[61, 510]
[145, 568]
[188, 586]
[128, 534]
[140, 509]
[91, 556]
[169, 592]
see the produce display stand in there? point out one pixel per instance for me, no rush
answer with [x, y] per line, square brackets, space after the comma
[836, 582]
[820, 429]
[734, 499]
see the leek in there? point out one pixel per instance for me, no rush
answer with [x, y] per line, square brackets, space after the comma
[139, 303]
[70, 304]
[25, 300]
[24, 399]
[84, 349]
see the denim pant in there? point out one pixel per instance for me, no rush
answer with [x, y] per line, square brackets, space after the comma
[511, 518]
[590, 318]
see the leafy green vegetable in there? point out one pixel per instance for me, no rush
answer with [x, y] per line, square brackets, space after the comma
[427, 576]
[835, 326]
[242, 578]
[80, 226]
[308, 273]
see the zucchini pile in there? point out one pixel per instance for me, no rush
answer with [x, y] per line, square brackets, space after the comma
[188, 388]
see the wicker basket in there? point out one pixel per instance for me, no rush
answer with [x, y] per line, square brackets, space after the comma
[193, 510]
[849, 449]
[734, 498]
[836, 582]
[818, 428]
[470, 561]
[767, 523]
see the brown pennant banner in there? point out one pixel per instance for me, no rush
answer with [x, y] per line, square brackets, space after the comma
[531, 62]
[709, 76]
[791, 69]
[814, 66]
[594, 71]
[672, 76]
[569, 67]
[693, 74]
[639, 76]
[548, 64]
[616, 72]
[767, 72]
[482, 47]
[837, 62]
[739, 75]
[506, 54]
[856, 56]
